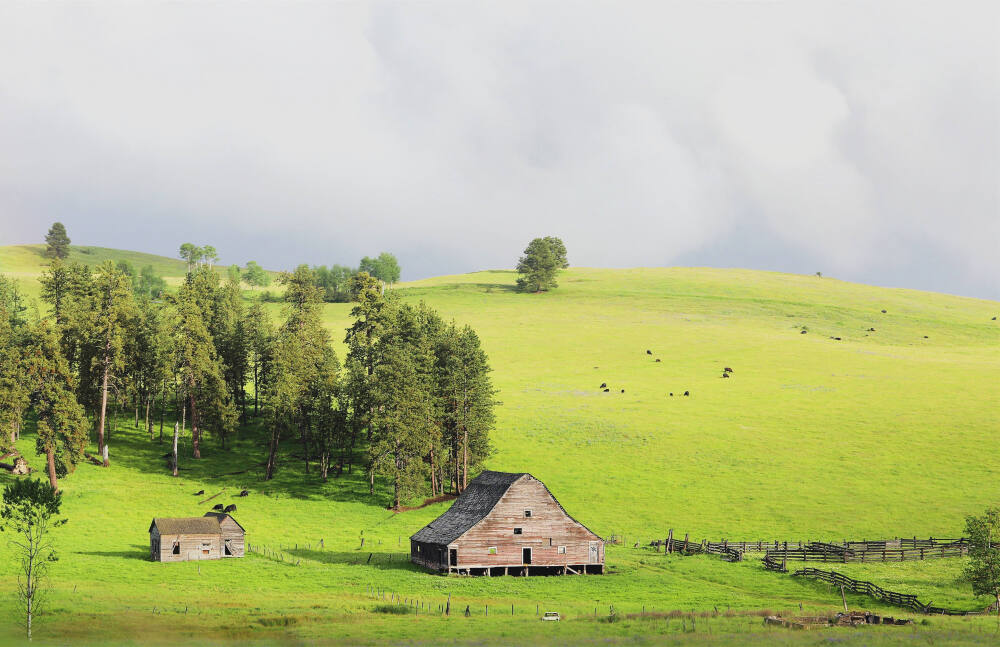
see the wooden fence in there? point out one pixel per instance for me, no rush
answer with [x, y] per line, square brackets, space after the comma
[869, 552]
[907, 600]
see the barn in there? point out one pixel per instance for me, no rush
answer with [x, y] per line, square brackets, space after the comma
[507, 523]
[214, 536]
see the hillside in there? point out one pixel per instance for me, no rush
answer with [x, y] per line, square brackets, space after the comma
[880, 433]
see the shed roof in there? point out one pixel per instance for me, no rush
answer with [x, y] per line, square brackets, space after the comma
[221, 516]
[478, 499]
[187, 526]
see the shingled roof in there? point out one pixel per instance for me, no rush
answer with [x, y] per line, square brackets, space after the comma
[478, 499]
[187, 526]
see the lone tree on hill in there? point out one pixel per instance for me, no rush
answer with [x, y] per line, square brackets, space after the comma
[57, 241]
[255, 275]
[542, 260]
[28, 508]
[983, 569]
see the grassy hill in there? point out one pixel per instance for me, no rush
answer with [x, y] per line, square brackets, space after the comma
[880, 433]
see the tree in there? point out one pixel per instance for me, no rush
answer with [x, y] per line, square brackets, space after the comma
[983, 569]
[57, 242]
[254, 275]
[28, 509]
[259, 335]
[14, 390]
[150, 285]
[190, 253]
[542, 260]
[385, 267]
[112, 311]
[62, 424]
[209, 255]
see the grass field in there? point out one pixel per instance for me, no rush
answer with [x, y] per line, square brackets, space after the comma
[884, 433]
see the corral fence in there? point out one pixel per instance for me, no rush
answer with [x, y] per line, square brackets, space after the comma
[864, 552]
[907, 600]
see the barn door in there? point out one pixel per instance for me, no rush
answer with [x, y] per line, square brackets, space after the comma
[228, 548]
[525, 555]
[594, 553]
[453, 556]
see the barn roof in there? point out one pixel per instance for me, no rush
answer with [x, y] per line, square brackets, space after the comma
[222, 516]
[474, 503]
[187, 526]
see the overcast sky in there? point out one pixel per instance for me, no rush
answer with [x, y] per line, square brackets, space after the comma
[860, 140]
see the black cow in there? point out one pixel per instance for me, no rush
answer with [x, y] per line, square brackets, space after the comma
[687, 393]
[883, 312]
[623, 390]
[244, 493]
[607, 390]
[871, 330]
[217, 506]
[230, 508]
[725, 375]
[727, 370]
[604, 385]
[657, 359]
[649, 352]
[671, 394]
[199, 492]
[925, 337]
[803, 332]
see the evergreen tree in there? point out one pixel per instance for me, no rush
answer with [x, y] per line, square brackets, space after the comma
[62, 424]
[258, 332]
[57, 241]
[14, 388]
[113, 308]
[542, 260]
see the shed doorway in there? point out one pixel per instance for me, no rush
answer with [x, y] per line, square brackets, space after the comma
[227, 549]
[594, 553]
[453, 556]
[526, 556]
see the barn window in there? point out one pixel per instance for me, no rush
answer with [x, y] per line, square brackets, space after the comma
[527, 514]
[418, 548]
[176, 549]
[206, 548]
[562, 550]
[517, 531]
[492, 550]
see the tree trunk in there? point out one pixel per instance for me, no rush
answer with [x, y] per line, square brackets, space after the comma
[174, 466]
[51, 459]
[256, 371]
[465, 460]
[272, 454]
[195, 431]
[433, 477]
[163, 406]
[104, 409]
[149, 427]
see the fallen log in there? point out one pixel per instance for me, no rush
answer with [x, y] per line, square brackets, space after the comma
[211, 497]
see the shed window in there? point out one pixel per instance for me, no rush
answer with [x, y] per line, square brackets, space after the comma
[492, 550]
[527, 514]
[176, 549]
[418, 548]
[206, 548]
[562, 550]
[517, 531]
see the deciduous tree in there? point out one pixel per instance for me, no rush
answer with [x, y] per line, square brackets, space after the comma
[983, 569]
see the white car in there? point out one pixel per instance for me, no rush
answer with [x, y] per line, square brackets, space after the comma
[551, 615]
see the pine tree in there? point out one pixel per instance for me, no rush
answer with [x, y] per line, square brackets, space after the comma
[113, 309]
[258, 332]
[14, 389]
[62, 423]
[57, 241]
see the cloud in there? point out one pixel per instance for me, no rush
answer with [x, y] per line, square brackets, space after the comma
[857, 139]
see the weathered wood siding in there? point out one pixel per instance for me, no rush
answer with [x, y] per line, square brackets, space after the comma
[192, 547]
[543, 532]
[429, 555]
[234, 535]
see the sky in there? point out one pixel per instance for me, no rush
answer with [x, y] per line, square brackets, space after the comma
[859, 139]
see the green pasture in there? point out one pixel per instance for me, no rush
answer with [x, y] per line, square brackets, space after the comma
[878, 434]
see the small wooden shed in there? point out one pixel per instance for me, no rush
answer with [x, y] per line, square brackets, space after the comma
[214, 536]
[507, 523]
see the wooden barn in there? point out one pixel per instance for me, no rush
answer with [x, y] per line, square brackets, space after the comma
[214, 536]
[507, 523]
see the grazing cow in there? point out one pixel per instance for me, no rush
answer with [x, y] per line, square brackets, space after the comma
[727, 370]
[657, 359]
[649, 352]
[803, 332]
[607, 390]
[244, 493]
[871, 330]
[217, 506]
[230, 508]
[925, 336]
[883, 312]
[687, 393]
[199, 492]
[725, 375]
[623, 390]
[994, 319]
[671, 394]
[604, 385]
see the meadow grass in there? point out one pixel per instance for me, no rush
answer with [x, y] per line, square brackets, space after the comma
[880, 434]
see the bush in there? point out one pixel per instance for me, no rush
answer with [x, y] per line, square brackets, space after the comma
[394, 609]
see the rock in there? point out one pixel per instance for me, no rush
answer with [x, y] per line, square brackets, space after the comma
[20, 467]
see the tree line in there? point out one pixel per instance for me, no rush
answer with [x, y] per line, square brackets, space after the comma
[411, 401]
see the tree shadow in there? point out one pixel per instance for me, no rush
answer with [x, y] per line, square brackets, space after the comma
[138, 551]
[369, 559]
